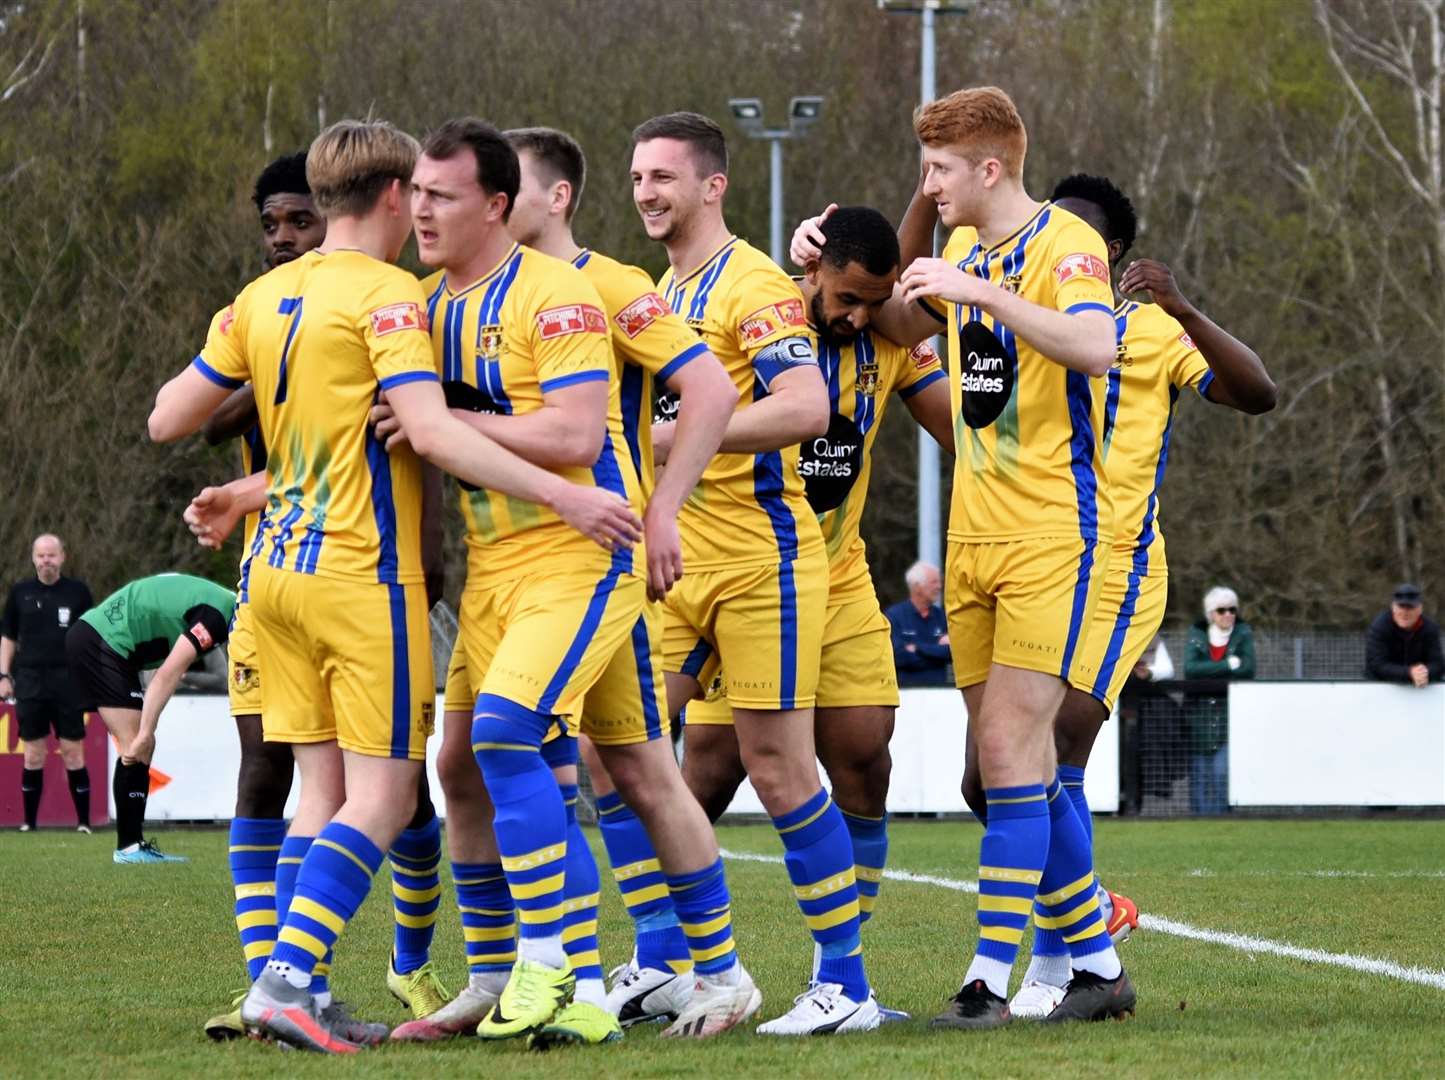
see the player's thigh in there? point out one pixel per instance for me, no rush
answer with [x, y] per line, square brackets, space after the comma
[1046, 592]
[458, 695]
[479, 632]
[243, 682]
[560, 632]
[688, 650]
[856, 666]
[295, 707]
[102, 677]
[123, 724]
[1128, 615]
[628, 703]
[970, 611]
[377, 669]
[769, 633]
[1014, 725]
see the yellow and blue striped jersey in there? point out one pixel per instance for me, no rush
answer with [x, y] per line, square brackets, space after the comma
[531, 325]
[748, 509]
[318, 337]
[1156, 360]
[862, 374]
[651, 342]
[1036, 470]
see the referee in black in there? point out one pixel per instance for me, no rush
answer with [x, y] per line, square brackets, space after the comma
[35, 673]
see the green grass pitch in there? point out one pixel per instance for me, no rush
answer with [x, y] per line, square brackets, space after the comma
[109, 971]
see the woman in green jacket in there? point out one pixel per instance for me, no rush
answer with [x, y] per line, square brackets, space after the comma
[1220, 646]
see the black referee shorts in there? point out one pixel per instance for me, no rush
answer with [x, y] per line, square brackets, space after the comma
[39, 716]
[103, 678]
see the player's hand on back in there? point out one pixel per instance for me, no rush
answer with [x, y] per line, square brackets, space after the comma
[664, 552]
[1148, 275]
[384, 424]
[602, 516]
[808, 238]
[212, 516]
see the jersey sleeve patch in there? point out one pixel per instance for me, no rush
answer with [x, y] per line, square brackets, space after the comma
[923, 355]
[558, 322]
[202, 636]
[228, 317]
[641, 313]
[766, 321]
[1187, 341]
[396, 317]
[1081, 264]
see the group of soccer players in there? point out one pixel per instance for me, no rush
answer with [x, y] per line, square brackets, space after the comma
[662, 487]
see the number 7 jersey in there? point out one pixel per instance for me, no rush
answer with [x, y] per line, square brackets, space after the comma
[318, 337]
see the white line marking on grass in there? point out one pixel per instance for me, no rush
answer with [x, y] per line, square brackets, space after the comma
[1156, 924]
[1206, 872]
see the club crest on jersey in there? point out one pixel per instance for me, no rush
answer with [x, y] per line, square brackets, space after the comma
[1013, 283]
[489, 342]
[245, 678]
[923, 355]
[570, 319]
[428, 718]
[1081, 265]
[867, 380]
[771, 319]
[640, 314]
[396, 317]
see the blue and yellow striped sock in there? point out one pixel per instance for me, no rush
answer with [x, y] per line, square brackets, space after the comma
[293, 852]
[1068, 895]
[1049, 942]
[869, 836]
[704, 909]
[1072, 779]
[416, 892]
[334, 879]
[582, 889]
[254, 848]
[1011, 861]
[489, 918]
[530, 820]
[661, 943]
[820, 863]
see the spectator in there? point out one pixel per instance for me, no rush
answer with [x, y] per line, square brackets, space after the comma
[38, 614]
[1402, 645]
[920, 631]
[1220, 646]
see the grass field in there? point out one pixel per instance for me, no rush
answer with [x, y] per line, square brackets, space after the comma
[110, 971]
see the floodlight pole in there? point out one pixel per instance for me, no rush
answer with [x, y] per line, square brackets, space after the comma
[775, 196]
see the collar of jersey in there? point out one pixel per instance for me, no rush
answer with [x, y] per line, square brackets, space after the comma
[580, 256]
[1015, 234]
[493, 272]
[676, 281]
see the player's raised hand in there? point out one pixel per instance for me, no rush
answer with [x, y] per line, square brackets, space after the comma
[941, 279]
[603, 517]
[1147, 275]
[384, 424]
[212, 516]
[664, 552]
[808, 238]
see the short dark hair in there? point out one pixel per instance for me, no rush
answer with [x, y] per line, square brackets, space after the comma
[559, 152]
[860, 234]
[497, 170]
[284, 176]
[709, 146]
[1119, 213]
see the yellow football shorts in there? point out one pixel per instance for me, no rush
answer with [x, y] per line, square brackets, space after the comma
[763, 624]
[856, 668]
[543, 640]
[1023, 603]
[458, 695]
[345, 661]
[1130, 612]
[243, 682]
[628, 704]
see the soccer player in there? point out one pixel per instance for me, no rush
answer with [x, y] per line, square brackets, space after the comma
[1165, 347]
[1023, 288]
[338, 600]
[847, 277]
[542, 612]
[755, 593]
[291, 226]
[162, 623]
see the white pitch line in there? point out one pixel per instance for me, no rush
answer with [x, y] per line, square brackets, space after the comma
[1154, 923]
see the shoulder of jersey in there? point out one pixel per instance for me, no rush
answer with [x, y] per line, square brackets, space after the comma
[1152, 319]
[747, 259]
[432, 281]
[960, 242]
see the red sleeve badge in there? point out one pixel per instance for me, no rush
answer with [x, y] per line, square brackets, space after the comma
[202, 636]
[394, 317]
[1081, 265]
[570, 319]
[1187, 340]
[769, 320]
[641, 313]
[923, 355]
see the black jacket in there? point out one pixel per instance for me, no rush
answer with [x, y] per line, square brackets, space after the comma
[1390, 652]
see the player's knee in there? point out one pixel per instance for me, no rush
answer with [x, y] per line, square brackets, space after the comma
[1077, 727]
[973, 797]
[264, 781]
[457, 769]
[860, 785]
[73, 755]
[34, 755]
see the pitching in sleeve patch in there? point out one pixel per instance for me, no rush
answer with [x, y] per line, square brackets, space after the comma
[1187, 341]
[396, 317]
[786, 315]
[227, 318]
[570, 319]
[923, 355]
[202, 636]
[1081, 265]
[641, 313]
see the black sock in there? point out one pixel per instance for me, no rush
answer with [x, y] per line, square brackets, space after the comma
[130, 787]
[80, 793]
[32, 783]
